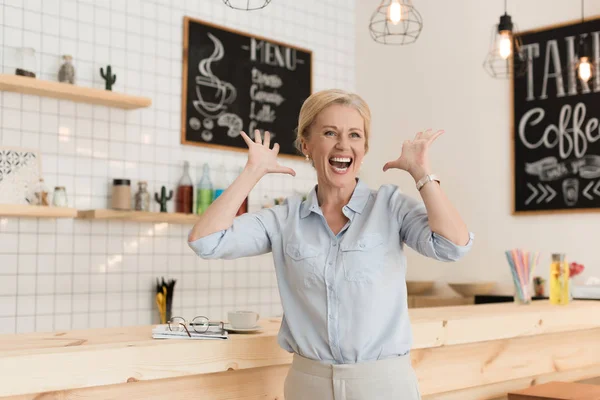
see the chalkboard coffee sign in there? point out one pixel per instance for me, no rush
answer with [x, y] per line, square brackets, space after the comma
[233, 81]
[556, 129]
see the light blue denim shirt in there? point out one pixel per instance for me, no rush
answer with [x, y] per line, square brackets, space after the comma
[343, 296]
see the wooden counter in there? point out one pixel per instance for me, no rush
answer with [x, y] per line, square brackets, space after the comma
[461, 352]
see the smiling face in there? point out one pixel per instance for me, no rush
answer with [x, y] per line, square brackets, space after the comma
[336, 144]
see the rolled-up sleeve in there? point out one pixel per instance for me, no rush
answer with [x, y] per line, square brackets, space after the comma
[249, 235]
[416, 233]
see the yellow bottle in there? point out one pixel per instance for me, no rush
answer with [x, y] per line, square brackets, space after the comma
[559, 280]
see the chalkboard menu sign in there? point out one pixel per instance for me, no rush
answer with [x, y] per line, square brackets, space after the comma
[556, 131]
[235, 82]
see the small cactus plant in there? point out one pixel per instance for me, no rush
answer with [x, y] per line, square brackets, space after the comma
[108, 77]
[162, 200]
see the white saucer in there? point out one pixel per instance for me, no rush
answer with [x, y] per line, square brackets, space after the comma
[228, 327]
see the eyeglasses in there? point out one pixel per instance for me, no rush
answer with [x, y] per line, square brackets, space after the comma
[199, 324]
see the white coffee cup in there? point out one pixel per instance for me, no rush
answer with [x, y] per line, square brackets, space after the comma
[243, 319]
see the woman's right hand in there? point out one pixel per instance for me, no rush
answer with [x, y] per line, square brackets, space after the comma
[261, 158]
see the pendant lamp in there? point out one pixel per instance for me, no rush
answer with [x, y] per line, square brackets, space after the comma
[246, 5]
[584, 63]
[505, 57]
[396, 22]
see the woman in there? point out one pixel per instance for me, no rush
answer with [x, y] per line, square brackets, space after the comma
[339, 255]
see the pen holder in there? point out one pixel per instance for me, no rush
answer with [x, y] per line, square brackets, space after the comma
[164, 299]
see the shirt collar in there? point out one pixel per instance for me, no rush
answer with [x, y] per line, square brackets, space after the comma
[357, 202]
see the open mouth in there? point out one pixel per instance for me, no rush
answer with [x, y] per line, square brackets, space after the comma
[340, 164]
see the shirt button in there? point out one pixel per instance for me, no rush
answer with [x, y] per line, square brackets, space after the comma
[330, 262]
[334, 244]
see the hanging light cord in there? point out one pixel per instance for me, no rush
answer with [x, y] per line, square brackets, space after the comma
[581, 11]
[505, 6]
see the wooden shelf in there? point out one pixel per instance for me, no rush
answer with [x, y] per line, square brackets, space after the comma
[23, 210]
[139, 216]
[65, 91]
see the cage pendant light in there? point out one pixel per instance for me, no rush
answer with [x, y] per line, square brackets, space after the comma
[584, 65]
[247, 5]
[396, 22]
[505, 56]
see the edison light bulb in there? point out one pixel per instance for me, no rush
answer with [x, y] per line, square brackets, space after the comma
[505, 45]
[585, 69]
[395, 12]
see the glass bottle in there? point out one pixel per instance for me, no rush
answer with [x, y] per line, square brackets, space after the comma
[41, 194]
[204, 190]
[66, 73]
[221, 182]
[559, 279]
[142, 197]
[184, 200]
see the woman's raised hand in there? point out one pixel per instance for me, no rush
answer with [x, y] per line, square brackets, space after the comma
[414, 157]
[261, 157]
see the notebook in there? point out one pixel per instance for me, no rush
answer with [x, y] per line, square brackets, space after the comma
[163, 332]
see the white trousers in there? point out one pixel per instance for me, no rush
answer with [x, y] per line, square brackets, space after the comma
[389, 379]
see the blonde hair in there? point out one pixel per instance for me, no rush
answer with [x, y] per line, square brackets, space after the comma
[318, 101]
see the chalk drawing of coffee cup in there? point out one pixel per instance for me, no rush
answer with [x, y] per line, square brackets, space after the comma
[214, 95]
[570, 189]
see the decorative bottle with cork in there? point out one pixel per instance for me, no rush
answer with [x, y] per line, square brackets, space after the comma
[559, 279]
[204, 191]
[184, 200]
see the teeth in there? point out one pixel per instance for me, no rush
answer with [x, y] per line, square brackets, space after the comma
[340, 169]
[340, 159]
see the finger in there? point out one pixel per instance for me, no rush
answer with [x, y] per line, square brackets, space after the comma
[388, 165]
[276, 148]
[285, 170]
[417, 136]
[427, 133]
[267, 141]
[437, 134]
[257, 137]
[246, 138]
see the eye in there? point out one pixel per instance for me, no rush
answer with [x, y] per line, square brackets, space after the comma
[329, 133]
[355, 135]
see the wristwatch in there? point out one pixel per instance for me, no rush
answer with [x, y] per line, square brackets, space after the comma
[426, 179]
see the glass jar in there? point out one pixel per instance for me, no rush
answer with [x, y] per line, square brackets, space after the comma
[26, 62]
[142, 197]
[121, 194]
[59, 199]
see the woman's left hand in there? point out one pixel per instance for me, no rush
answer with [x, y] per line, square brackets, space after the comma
[414, 157]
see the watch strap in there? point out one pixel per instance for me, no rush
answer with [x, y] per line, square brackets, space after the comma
[426, 179]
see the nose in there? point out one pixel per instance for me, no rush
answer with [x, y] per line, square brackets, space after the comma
[343, 142]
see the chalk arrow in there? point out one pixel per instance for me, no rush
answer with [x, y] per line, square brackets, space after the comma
[587, 189]
[552, 194]
[535, 192]
[544, 194]
[597, 189]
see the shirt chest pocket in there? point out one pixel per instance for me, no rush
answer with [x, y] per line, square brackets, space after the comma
[363, 260]
[304, 259]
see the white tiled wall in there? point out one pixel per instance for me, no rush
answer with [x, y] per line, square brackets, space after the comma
[70, 274]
